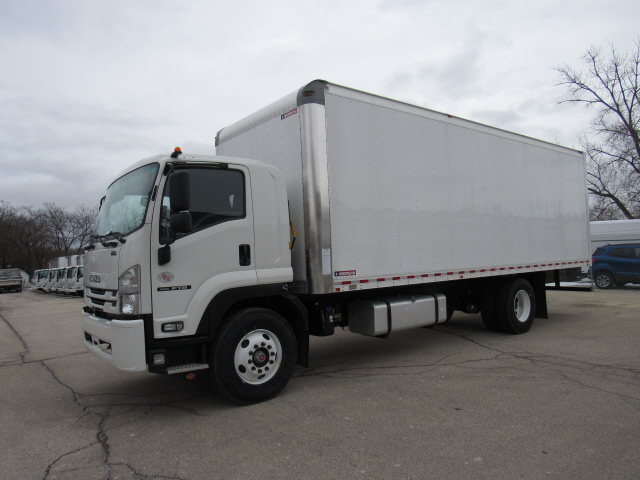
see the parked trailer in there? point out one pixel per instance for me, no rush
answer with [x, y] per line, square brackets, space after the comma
[614, 232]
[402, 215]
[10, 280]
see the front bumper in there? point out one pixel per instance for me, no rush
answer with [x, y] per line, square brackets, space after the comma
[118, 342]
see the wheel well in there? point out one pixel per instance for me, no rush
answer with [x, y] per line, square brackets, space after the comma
[270, 297]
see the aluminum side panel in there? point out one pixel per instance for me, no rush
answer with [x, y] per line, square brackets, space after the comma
[411, 193]
[277, 141]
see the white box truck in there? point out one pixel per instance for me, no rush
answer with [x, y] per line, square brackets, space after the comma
[10, 280]
[402, 216]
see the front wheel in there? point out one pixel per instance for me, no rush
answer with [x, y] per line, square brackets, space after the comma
[253, 356]
[515, 306]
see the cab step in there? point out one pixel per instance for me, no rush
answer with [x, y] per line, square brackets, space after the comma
[189, 367]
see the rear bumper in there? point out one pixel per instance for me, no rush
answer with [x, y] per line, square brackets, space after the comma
[118, 342]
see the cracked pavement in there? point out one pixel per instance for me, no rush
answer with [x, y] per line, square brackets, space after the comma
[451, 402]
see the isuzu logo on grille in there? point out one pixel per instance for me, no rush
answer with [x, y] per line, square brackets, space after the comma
[94, 278]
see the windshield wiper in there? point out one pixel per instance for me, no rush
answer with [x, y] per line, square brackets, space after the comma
[117, 235]
[103, 239]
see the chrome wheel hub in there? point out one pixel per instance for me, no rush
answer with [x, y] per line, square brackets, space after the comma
[258, 356]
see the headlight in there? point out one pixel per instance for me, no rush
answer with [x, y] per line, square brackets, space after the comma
[129, 290]
[130, 304]
[129, 281]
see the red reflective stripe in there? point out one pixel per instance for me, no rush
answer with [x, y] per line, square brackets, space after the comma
[346, 283]
[411, 276]
[396, 278]
[364, 281]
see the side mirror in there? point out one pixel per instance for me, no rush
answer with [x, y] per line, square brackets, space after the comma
[181, 222]
[180, 191]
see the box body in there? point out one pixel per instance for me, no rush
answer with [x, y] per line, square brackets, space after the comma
[383, 193]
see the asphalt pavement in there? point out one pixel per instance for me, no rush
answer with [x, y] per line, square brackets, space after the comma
[451, 402]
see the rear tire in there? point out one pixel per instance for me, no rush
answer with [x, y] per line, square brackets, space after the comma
[253, 356]
[604, 280]
[515, 306]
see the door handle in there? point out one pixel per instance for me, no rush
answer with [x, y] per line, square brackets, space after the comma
[245, 255]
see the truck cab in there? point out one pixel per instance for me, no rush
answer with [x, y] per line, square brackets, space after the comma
[179, 240]
[41, 278]
[49, 284]
[61, 280]
[70, 282]
[79, 281]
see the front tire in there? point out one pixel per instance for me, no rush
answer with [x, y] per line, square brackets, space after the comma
[253, 356]
[515, 306]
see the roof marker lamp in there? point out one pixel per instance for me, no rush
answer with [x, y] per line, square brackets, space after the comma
[129, 290]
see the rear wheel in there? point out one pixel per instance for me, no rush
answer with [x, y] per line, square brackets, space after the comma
[604, 280]
[515, 306]
[253, 356]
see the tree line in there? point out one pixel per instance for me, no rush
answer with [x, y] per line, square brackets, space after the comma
[29, 238]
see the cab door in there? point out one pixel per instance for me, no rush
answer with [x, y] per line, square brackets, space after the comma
[218, 251]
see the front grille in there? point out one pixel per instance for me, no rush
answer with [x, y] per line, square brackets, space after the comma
[101, 299]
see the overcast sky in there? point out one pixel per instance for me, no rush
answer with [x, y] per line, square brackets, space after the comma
[89, 86]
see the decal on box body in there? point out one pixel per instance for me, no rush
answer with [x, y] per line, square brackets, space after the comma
[344, 273]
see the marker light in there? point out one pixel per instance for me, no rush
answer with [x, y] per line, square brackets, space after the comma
[173, 327]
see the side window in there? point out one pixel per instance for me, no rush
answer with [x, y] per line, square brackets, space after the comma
[216, 196]
[623, 253]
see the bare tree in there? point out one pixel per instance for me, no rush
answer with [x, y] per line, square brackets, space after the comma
[7, 219]
[611, 88]
[83, 220]
[29, 238]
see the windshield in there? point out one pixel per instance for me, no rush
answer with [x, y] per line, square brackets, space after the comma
[126, 202]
